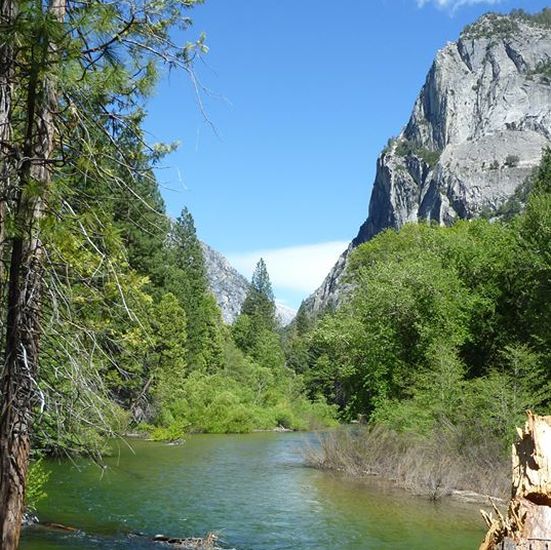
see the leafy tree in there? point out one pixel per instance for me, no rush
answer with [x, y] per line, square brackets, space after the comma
[444, 327]
[168, 367]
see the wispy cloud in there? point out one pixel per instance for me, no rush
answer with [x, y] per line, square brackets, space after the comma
[455, 4]
[297, 268]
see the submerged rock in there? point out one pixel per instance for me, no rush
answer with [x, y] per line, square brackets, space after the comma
[206, 543]
[29, 519]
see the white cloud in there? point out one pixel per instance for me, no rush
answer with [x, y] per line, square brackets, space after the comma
[454, 4]
[297, 268]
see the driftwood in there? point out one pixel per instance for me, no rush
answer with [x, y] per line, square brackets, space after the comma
[527, 525]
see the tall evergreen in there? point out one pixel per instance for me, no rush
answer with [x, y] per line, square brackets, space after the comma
[186, 278]
[259, 302]
[257, 322]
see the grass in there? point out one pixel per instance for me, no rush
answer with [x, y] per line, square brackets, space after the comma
[433, 467]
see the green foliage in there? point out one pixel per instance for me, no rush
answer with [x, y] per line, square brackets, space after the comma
[37, 477]
[543, 70]
[512, 160]
[254, 329]
[185, 277]
[259, 303]
[542, 18]
[493, 25]
[407, 148]
[500, 26]
[242, 397]
[515, 204]
[168, 358]
[389, 145]
[446, 327]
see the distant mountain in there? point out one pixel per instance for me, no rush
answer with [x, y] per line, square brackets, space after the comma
[230, 287]
[285, 314]
[476, 132]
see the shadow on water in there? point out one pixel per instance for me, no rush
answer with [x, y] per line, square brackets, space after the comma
[250, 489]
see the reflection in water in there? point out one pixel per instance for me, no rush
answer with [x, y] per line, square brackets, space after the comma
[252, 490]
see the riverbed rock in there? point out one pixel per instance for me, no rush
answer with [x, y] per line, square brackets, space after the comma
[192, 543]
[476, 132]
[29, 519]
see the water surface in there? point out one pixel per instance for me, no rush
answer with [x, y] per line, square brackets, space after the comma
[253, 490]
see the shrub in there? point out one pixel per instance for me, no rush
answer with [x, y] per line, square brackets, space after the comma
[433, 466]
[542, 18]
[543, 70]
[512, 160]
[408, 148]
[491, 26]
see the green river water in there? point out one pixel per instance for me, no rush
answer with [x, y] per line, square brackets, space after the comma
[253, 490]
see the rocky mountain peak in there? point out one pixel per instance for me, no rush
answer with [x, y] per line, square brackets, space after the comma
[476, 132]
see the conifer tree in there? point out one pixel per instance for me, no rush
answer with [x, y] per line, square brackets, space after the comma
[187, 279]
[259, 303]
[257, 322]
[73, 80]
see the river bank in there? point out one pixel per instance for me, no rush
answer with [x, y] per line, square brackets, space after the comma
[432, 467]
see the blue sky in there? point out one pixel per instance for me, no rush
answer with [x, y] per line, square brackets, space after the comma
[303, 94]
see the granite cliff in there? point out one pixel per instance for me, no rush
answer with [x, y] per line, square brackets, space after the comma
[225, 282]
[230, 287]
[476, 132]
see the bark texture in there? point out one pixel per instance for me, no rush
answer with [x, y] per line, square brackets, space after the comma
[19, 375]
[7, 16]
[528, 522]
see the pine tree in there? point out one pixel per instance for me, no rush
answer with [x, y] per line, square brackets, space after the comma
[257, 323]
[168, 369]
[186, 278]
[79, 73]
[259, 302]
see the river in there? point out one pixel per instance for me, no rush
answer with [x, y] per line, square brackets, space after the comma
[253, 490]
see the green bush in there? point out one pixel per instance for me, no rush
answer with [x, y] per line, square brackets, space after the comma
[243, 398]
[512, 160]
[491, 26]
[407, 148]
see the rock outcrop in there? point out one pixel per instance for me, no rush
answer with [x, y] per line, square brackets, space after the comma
[226, 283]
[230, 287]
[476, 132]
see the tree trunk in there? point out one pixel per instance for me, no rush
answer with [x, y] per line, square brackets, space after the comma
[528, 522]
[7, 16]
[18, 382]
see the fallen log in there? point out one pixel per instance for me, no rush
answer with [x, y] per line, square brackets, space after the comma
[527, 525]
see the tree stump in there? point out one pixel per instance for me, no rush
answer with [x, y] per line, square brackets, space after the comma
[528, 522]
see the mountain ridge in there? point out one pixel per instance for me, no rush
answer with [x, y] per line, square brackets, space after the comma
[477, 130]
